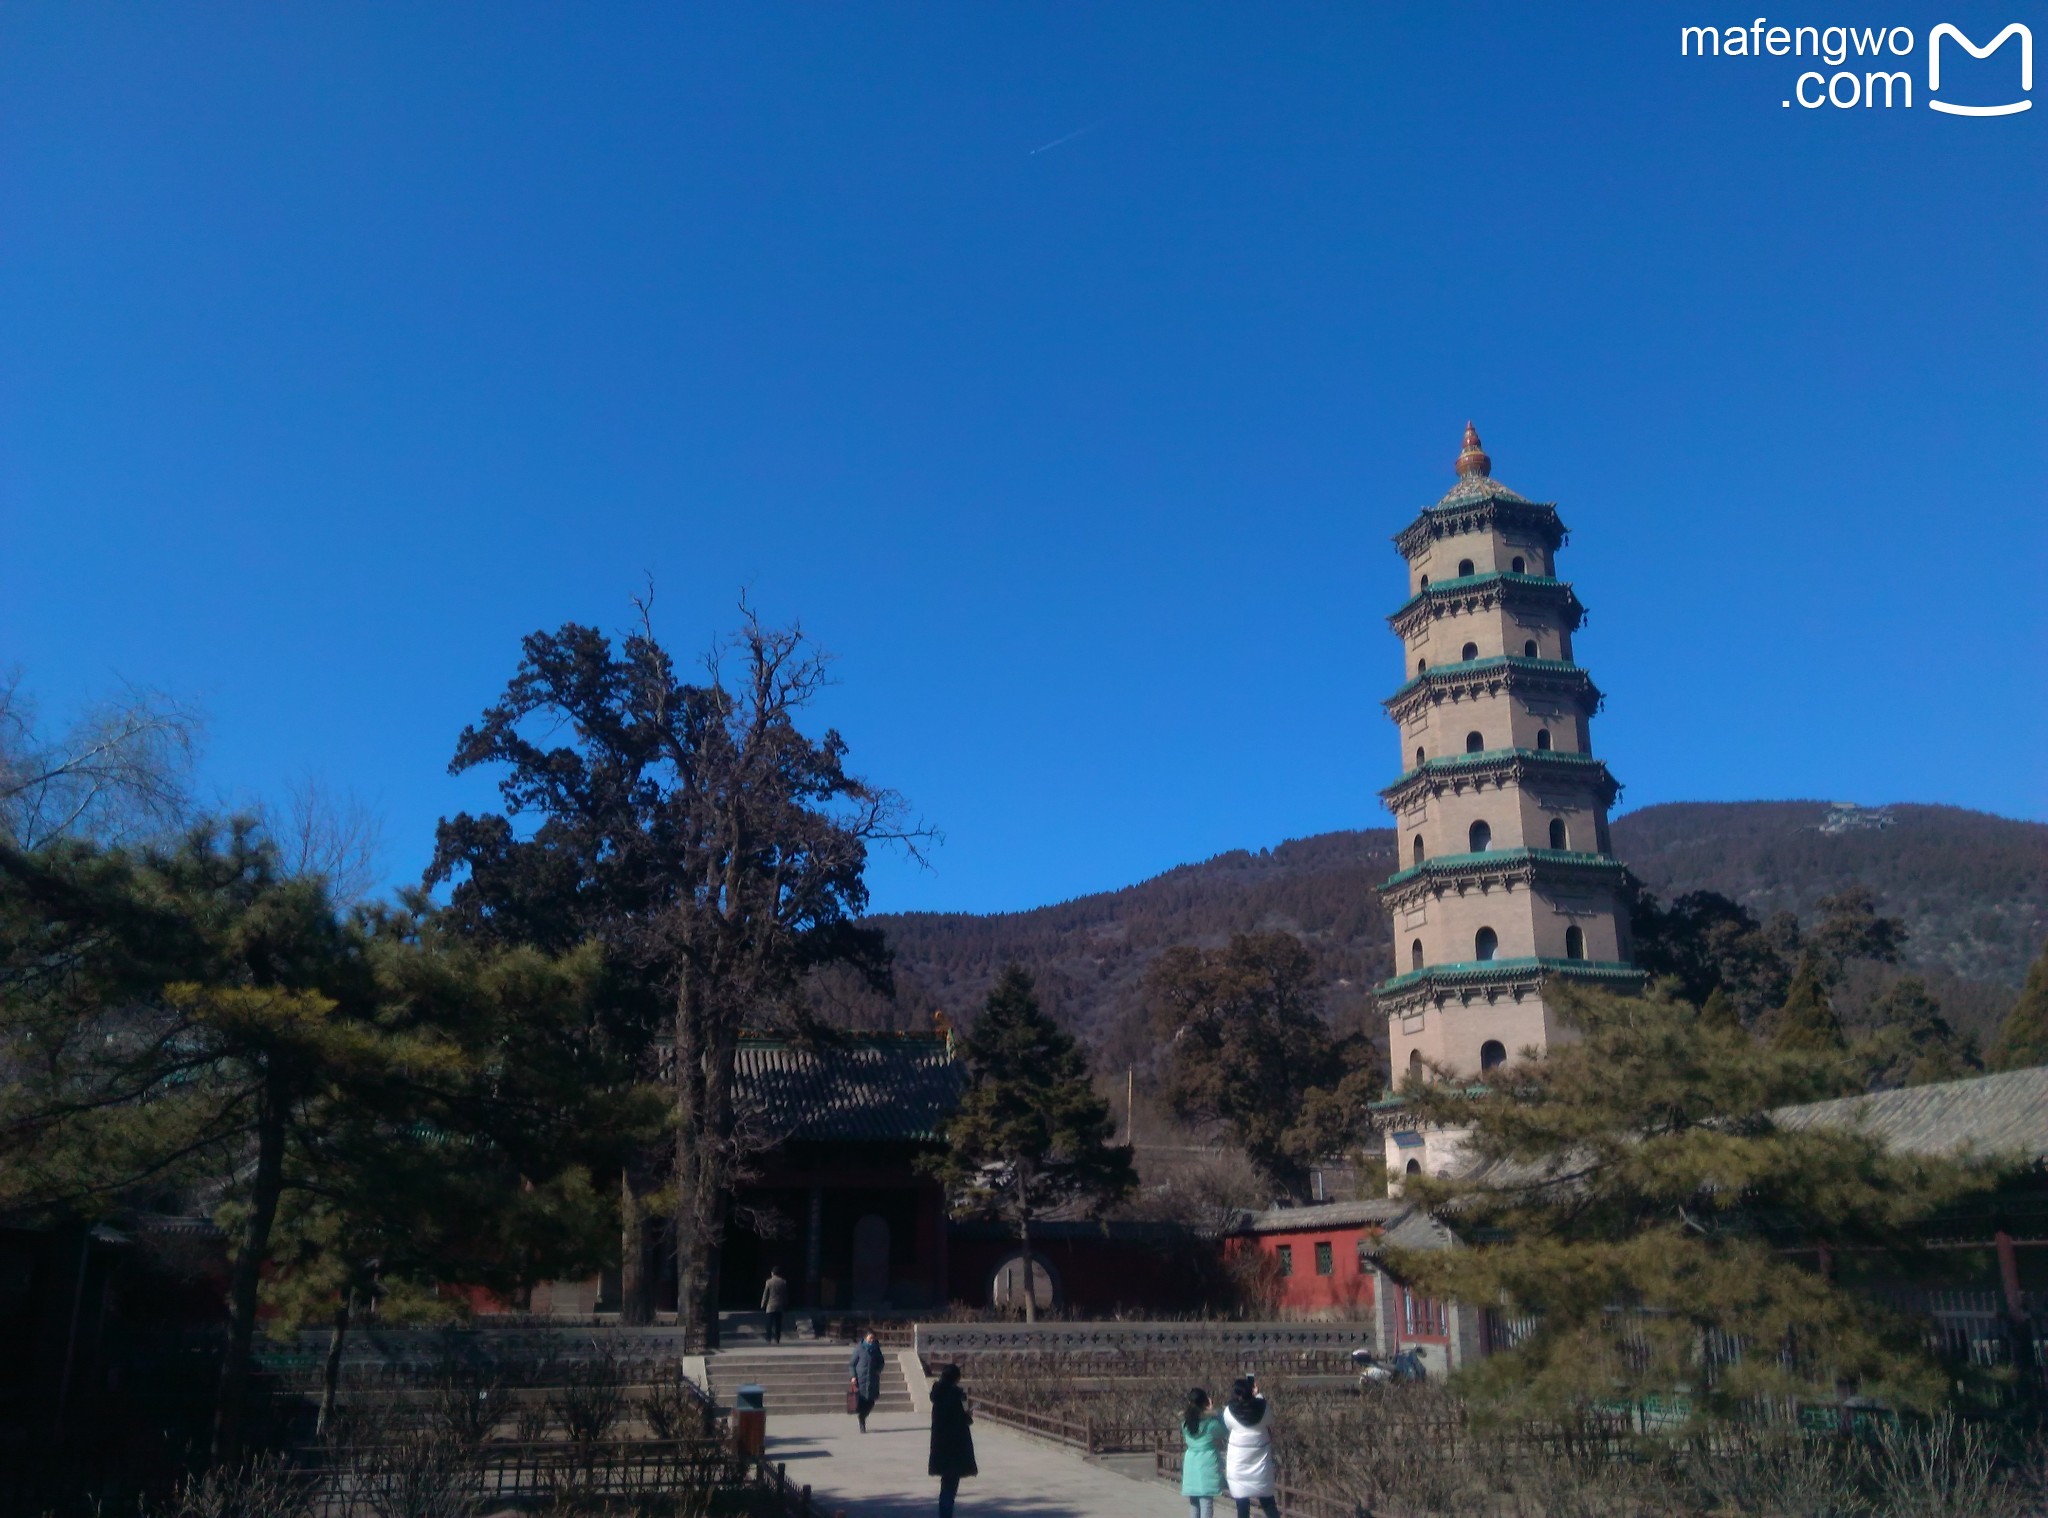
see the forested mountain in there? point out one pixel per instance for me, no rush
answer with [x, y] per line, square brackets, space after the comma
[1972, 889]
[1089, 954]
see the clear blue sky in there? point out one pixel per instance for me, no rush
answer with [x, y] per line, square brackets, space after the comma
[1065, 368]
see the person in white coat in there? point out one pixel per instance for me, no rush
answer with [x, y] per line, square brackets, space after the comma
[1248, 1469]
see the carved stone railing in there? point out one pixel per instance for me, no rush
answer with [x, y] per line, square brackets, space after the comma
[942, 1341]
[400, 1352]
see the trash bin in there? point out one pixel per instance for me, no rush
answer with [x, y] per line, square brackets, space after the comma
[750, 1421]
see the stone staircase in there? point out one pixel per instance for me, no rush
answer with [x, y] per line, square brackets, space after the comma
[800, 1378]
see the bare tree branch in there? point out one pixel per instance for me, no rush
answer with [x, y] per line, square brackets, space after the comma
[330, 834]
[120, 772]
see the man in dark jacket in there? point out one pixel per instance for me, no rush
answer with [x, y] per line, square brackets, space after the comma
[866, 1366]
[774, 1298]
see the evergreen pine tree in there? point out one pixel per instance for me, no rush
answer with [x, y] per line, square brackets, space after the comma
[1717, 1011]
[1807, 1023]
[350, 1090]
[1032, 1133]
[1639, 1204]
[2023, 1038]
[1911, 1043]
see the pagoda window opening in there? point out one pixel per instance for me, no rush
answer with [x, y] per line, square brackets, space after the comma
[1470, 651]
[1415, 1063]
[1543, 739]
[1415, 955]
[1492, 1055]
[1480, 837]
[1421, 665]
[1529, 649]
[1474, 743]
[1418, 848]
[1574, 943]
[1464, 568]
[1425, 582]
[1557, 837]
[1515, 564]
[1485, 944]
[1414, 1167]
[1421, 758]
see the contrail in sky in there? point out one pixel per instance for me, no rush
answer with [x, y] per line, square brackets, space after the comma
[1083, 132]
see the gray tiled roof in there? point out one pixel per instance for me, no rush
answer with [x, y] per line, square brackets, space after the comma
[1990, 1115]
[1416, 1229]
[873, 1088]
[1324, 1215]
[1402, 1225]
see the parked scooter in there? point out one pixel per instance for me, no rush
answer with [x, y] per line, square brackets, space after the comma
[1406, 1365]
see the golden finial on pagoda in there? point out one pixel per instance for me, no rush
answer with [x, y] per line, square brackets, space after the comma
[1473, 459]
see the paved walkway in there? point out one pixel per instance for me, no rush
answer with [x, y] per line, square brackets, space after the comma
[882, 1474]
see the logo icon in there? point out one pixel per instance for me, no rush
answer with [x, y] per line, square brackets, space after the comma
[1947, 29]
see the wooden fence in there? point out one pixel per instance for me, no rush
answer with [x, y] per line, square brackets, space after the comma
[370, 1476]
[1294, 1501]
[790, 1499]
[1091, 1436]
[379, 1480]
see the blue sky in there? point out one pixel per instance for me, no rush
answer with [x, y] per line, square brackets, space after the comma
[1065, 368]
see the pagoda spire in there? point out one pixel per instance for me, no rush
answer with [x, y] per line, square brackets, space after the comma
[1473, 460]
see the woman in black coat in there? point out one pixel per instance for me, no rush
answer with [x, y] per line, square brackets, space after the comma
[952, 1439]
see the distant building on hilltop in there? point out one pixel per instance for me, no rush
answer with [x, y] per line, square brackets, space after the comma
[1848, 817]
[1501, 809]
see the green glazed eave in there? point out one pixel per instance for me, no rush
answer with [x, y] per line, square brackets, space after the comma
[1453, 864]
[1478, 971]
[1485, 501]
[1558, 671]
[1440, 589]
[1581, 766]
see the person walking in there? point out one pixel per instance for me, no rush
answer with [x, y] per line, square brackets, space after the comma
[866, 1366]
[1202, 1436]
[774, 1298]
[1248, 1468]
[952, 1438]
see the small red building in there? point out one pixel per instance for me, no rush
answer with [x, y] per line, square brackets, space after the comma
[1321, 1260]
[1326, 1262]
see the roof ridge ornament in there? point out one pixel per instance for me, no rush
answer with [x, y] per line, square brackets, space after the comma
[1472, 459]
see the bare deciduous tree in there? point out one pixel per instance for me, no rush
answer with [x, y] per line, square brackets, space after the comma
[330, 834]
[119, 772]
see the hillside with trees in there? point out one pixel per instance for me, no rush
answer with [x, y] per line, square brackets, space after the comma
[1972, 890]
[1088, 956]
